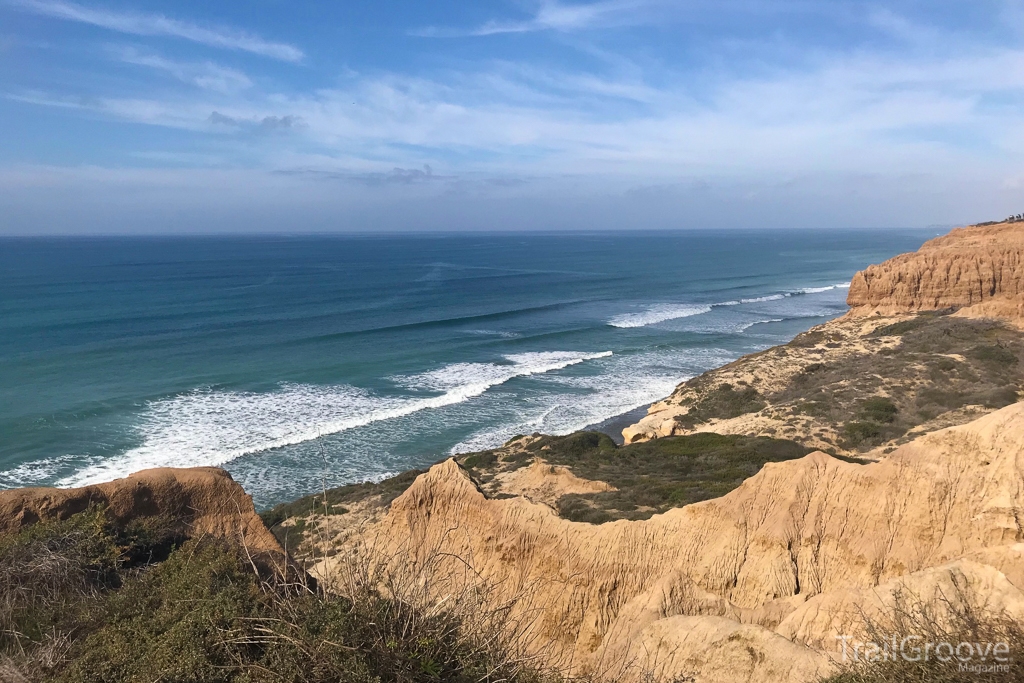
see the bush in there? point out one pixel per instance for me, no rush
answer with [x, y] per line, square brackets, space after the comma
[857, 433]
[722, 402]
[997, 398]
[879, 409]
[813, 408]
[484, 459]
[75, 610]
[654, 476]
[386, 490]
[994, 355]
[957, 618]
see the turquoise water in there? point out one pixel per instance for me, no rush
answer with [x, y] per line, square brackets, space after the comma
[291, 359]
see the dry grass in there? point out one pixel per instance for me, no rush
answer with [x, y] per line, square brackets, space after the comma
[76, 607]
[959, 617]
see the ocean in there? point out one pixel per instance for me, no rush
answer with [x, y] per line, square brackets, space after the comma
[299, 361]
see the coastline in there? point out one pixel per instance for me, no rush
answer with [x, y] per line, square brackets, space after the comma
[614, 425]
[749, 527]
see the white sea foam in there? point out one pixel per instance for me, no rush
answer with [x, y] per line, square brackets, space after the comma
[762, 299]
[493, 333]
[481, 376]
[206, 427]
[747, 326]
[37, 471]
[826, 288]
[658, 314]
[625, 383]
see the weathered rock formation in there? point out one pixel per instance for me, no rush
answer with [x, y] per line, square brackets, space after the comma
[193, 502]
[752, 586]
[978, 270]
[975, 272]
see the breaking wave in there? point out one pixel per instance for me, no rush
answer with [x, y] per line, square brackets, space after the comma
[660, 313]
[210, 427]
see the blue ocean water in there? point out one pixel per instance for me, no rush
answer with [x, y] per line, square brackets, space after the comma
[288, 360]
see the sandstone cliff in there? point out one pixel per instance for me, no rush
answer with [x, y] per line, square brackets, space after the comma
[749, 587]
[193, 502]
[855, 386]
[899, 342]
[978, 270]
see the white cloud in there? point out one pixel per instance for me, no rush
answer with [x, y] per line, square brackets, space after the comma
[159, 25]
[205, 75]
[927, 126]
[552, 15]
[850, 114]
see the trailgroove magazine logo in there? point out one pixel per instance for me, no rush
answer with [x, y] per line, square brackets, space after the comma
[971, 657]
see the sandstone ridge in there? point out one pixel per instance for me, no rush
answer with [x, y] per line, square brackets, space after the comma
[200, 501]
[978, 270]
[752, 586]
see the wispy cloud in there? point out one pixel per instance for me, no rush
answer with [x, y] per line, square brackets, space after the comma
[552, 15]
[159, 25]
[856, 113]
[263, 124]
[205, 75]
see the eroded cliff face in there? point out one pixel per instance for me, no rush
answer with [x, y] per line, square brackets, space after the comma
[753, 586]
[974, 273]
[193, 502]
[978, 270]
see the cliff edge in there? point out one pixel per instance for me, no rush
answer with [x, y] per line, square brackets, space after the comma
[191, 502]
[753, 586]
[932, 339]
[977, 270]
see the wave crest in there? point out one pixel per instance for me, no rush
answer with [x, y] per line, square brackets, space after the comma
[208, 427]
[658, 314]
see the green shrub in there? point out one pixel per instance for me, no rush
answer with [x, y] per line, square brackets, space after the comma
[484, 459]
[386, 490]
[654, 476]
[722, 402]
[808, 339]
[949, 399]
[813, 408]
[999, 397]
[902, 327]
[857, 433]
[204, 615]
[993, 355]
[878, 409]
[576, 508]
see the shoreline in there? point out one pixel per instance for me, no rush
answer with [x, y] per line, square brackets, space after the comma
[614, 425]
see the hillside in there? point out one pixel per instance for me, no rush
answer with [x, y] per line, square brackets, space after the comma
[932, 340]
[978, 271]
[864, 480]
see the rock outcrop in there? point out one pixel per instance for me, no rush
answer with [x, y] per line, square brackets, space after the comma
[769, 570]
[192, 502]
[975, 272]
[978, 270]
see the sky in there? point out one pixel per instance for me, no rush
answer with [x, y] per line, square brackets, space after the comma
[272, 116]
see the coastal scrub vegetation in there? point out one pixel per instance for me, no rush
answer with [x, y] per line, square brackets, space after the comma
[955, 618]
[649, 477]
[902, 376]
[334, 501]
[86, 602]
[721, 402]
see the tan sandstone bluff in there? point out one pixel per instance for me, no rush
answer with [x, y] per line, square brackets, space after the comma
[196, 502]
[978, 270]
[753, 586]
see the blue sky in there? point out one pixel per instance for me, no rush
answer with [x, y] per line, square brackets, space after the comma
[399, 115]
